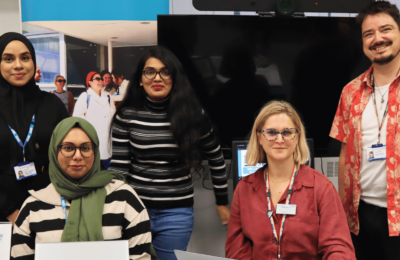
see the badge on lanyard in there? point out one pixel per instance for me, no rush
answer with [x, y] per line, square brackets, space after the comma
[376, 152]
[282, 207]
[24, 169]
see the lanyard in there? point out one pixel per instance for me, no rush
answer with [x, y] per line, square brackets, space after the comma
[288, 197]
[28, 137]
[64, 207]
[380, 124]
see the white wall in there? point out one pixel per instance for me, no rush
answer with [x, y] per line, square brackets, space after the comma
[10, 20]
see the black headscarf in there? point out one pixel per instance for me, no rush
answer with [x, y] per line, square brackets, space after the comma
[18, 104]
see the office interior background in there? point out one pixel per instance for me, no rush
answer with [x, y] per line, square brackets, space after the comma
[74, 37]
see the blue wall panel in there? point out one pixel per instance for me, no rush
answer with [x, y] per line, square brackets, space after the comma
[92, 10]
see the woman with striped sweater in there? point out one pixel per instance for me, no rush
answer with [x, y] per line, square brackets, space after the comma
[99, 205]
[159, 134]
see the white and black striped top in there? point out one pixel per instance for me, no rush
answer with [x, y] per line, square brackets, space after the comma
[42, 220]
[145, 151]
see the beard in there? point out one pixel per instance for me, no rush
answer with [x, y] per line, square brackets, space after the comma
[384, 60]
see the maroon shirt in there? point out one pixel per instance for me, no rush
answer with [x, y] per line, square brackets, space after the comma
[319, 229]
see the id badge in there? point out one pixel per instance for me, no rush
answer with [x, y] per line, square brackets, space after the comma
[376, 152]
[25, 170]
[286, 209]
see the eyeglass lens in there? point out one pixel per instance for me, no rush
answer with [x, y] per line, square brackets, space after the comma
[61, 80]
[98, 79]
[69, 150]
[272, 134]
[152, 74]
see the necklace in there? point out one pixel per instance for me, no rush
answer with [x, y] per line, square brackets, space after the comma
[279, 181]
[382, 96]
[282, 186]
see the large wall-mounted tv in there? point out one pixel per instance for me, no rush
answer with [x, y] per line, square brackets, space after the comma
[236, 64]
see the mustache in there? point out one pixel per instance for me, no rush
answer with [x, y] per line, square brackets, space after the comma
[380, 43]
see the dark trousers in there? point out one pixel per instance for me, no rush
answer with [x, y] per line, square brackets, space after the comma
[373, 241]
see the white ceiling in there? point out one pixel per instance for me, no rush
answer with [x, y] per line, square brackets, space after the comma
[128, 33]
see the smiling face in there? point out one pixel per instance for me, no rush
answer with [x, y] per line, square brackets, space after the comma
[60, 85]
[381, 38]
[157, 88]
[16, 64]
[106, 79]
[279, 150]
[76, 166]
[96, 83]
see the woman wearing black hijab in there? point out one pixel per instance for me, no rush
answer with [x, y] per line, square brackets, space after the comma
[30, 114]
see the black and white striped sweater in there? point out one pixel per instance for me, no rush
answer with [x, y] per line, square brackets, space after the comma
[145, 151]
[42, 220]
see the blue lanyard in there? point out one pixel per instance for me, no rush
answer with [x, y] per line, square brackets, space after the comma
[64, 207]
[28, 137]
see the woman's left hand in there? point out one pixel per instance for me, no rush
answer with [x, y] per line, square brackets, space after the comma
[224, 213]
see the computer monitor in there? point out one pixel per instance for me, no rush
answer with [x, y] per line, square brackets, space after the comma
[242, 169]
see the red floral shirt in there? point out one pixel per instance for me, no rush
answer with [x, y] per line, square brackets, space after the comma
[347, 129]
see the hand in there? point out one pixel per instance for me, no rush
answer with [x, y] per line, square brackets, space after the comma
[224, 213]
[13, 217]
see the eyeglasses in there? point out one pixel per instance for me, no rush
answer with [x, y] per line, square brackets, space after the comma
[152, 74]
[287, 134]
[69, 150]
[98, 79]
[61, 80]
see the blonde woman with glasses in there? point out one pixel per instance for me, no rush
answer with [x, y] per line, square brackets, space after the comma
[285, 210]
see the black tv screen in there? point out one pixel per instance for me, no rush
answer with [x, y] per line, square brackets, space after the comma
[236, 64]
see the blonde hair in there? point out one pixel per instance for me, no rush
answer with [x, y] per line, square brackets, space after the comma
[55, 79]
[255, 152]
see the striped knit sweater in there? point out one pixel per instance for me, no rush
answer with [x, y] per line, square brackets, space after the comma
[145, 151]
[42, 220]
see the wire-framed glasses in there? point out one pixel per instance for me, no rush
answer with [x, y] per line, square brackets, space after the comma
[152, 74]
[69, 150]
[287, 134]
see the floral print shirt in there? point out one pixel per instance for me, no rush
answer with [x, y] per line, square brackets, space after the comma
[347, 129]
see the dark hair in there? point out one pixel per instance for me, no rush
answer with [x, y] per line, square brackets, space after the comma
[184, 112]
[111, 85]
[117, 72]
[377, 7]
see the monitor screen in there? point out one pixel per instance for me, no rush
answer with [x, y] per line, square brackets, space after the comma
[236, 64]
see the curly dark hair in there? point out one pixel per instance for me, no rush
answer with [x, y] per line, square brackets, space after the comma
[377, 7]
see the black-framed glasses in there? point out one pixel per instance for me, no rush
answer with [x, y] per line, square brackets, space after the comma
[69, 150]
[61, 80]
[152, 74]
[98, 79]
[287, 134]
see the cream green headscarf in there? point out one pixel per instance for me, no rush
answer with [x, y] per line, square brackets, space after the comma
[88, 194]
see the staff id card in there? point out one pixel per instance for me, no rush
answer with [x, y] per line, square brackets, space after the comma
[25, 170]
[376, 152]
[286, 209]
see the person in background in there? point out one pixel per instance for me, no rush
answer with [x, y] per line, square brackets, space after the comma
[99, 204]
[159, 134]
[66, 97]
[121, 84]
[23, 108]
[97, 108]
[366, 121]
[38, 74]
[109, 85]
[285, 195]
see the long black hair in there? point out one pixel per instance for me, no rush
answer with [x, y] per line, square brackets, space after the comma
[184, 111]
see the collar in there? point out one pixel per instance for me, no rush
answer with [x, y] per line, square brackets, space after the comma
[304, 177]
[157, 106]
[367, 79]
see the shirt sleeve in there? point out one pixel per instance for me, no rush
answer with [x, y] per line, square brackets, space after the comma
[237, 245]
[340, 124]
[81, 106]
[334, 241]
[212, 150]
[121, 156]
[23, 241]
